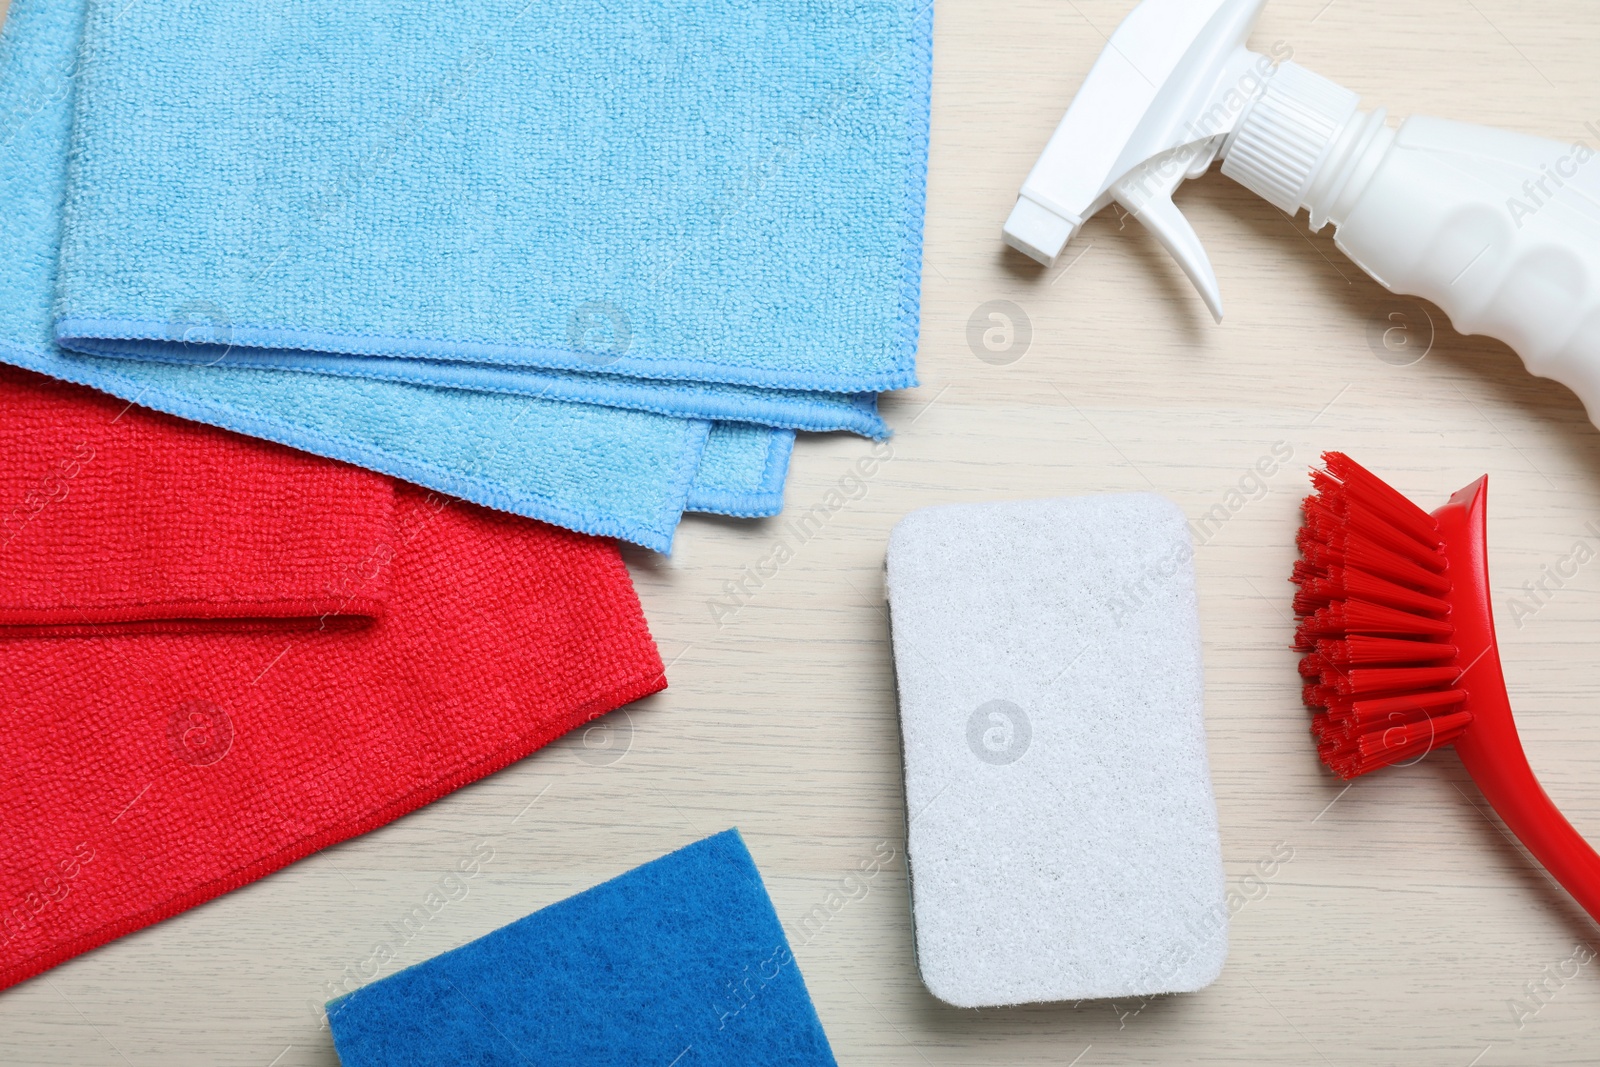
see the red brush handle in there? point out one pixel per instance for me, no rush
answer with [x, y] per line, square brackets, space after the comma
[1490, 748]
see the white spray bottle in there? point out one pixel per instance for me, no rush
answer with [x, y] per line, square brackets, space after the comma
[1501, 230]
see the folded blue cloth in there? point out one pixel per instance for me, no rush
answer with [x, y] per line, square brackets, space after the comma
[600, 470]
[679, 962]
[742, 471]
[787, 408]
[720, 192]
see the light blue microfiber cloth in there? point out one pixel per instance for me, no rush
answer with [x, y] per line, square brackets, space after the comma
[199, 336]
[722, 192]
[742, 471]
[596, 469]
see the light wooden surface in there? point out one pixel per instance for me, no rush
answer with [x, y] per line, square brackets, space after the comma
[1404, 929]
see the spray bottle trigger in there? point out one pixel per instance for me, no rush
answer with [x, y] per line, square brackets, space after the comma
[1146, 194]
[1163, 219]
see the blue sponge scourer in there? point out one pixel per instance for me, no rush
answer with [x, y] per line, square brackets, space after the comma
[681, 961]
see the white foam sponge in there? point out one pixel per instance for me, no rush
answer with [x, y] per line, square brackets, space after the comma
[1062, 834]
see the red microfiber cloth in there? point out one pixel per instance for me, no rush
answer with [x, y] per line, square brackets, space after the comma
[143, 773]
[113, 518]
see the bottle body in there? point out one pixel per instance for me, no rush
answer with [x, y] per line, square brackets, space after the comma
[1500, 230]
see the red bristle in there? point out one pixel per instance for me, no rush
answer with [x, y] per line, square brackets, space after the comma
[1306, 637]
[1341, 767]
[1318, 695]
[1307, 603]
[1378, 620]
[1424, 572]
[1373, 596]
[1324, 551]
[1307, 572]
[1358, 584]
[1313, 552]
[1353, 501]
[1391, 744]
[1343, 720]
[1346, 583]
[1314, 591]
[1359, 617]
[1380, 709]
[1368, 681]
[1351, 752]
[1384, 501]
[1321, 521]
[1369, 517]
[1362, 651]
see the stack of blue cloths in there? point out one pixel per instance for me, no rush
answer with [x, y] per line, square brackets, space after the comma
[592, 263]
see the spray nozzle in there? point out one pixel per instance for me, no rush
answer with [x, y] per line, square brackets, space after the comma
[1173, 90]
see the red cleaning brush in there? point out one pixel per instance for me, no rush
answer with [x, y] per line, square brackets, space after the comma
[1401, 655]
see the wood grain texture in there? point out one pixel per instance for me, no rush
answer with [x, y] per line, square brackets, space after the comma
[1405, 926]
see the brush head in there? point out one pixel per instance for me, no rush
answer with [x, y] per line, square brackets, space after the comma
[1382, 671]
[1401, 656]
